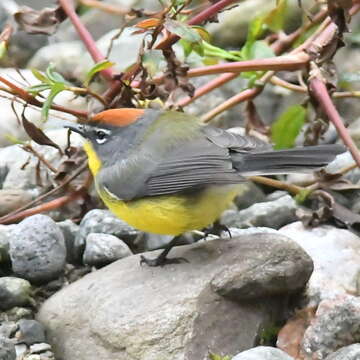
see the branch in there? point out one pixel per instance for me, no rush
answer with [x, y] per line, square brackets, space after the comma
[85, 36]
[320, 93]
[293, 189]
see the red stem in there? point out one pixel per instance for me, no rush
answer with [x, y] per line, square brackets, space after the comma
[85, 36]
[321, 94]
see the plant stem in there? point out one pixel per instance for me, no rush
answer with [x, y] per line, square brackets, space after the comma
[85, 36]
[320, 93]
[293, 189]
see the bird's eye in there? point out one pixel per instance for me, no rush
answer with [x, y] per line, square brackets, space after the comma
[101, 136]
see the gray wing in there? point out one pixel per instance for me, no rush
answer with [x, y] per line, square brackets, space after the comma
[204, 160]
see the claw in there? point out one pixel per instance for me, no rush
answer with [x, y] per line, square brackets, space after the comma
[161, 261]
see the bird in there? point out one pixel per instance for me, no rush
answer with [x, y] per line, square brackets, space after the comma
[165, 172]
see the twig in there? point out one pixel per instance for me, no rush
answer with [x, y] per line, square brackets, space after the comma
[293, 189]
[320, 93]
[4, 219]
[85, 36]
[280, 82]
[111, 9]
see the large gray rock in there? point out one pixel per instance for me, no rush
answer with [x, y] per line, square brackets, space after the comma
[103, 222]
[103, 249]
[336, 256]
[272, 214]
[263, 353]
[143, 313]
[336, 325]
[351, 352]
[7, 349]
[14, 292]
[37, 249]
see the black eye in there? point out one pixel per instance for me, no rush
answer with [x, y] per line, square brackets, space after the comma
[101, 136]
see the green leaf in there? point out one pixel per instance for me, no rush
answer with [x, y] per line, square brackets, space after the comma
[182, 30]
[54, 76]
[287, 127]
[218, 357]
[40, 76]
[214, 51]
[35, 89]
[102, 65]
[275, 18]
[301, 197]
[55, 90]
[3, 49]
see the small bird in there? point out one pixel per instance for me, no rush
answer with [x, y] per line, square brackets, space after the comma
[167, 173]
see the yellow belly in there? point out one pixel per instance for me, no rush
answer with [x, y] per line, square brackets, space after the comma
[174, 215]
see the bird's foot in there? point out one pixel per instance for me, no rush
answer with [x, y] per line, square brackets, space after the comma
[216, 229]
[161, 261]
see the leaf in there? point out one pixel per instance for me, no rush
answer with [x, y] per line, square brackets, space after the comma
[35, 89]
[102, 65]
[204, 34]
[287, 127]
[45, 21]
[148, 23]
[37, 134]
[3, 49]
[182, 30]
[40, 76]
[55, 90]
[275, 18]
[54, 76]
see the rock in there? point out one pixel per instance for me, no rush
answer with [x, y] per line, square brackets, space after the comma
[103, 249]
[162, 313]
[4, 243]
[336, 325]
[286, 270]
[336, 256]
[7, 349]
[30, 332]
[148, 241]
[8, 329]
[351, 352]
[13, 199]
[21, 351]
[69, 230]
[273, 214]
[103, 222]
[37, 249]
[249, 194]
[16, 313]
[263, 353]
[14, 292]
[39, 348]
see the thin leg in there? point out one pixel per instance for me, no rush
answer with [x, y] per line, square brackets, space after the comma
[162, 260]
[217, 229]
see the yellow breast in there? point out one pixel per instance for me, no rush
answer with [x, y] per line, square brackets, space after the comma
[175, 214]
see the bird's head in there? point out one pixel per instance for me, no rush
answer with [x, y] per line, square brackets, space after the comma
[109, 133]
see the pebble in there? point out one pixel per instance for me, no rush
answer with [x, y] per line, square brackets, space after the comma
[7, 349]
[248, 195]
[37, 249]
[263, 353]
[336, 325]
[39, 348]
[272, 214]
[30, 332]
[4, 243]
[351, 352]
[103, 222]
[8, 329]
[14, 292]
[103, 249]
[12, 199]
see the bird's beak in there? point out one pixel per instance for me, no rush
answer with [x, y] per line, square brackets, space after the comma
[78, 128]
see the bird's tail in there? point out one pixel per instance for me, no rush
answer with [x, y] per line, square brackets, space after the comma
[304, 159]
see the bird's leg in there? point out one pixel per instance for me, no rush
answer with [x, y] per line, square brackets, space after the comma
[162, 260]
[216, 229]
